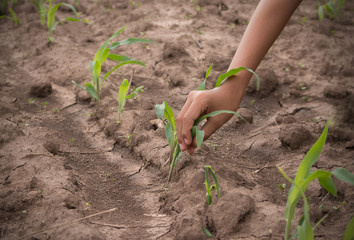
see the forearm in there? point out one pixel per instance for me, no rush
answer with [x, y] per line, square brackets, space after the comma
[267, 22]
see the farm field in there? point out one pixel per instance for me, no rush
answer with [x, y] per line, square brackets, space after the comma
[63, 157]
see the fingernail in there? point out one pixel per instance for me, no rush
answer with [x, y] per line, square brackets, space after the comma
[181, 147]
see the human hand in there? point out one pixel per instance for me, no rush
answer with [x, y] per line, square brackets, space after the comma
[199, 103]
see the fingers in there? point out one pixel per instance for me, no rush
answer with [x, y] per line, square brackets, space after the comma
[192, 109]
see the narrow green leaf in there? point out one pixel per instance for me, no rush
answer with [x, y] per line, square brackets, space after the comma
[216, 181]
[206, 231]
[208, 71]
[328, 184]
[69, 6]
[212, 114]
[169, 134]
[209, 198]
[170, 117]
[100, 50]
[123, 89]
[344, 175]
[91, 90]
[105, 55]
[201, 86]
[320, 12]
[97, 71]
[119, 58]
[78, 85]
[121, 64]
[349, 231]
[14, 17]
[160, 110]
[199, 135]
[311, 156]
[130, 41]
[234, 71]
[117, 33]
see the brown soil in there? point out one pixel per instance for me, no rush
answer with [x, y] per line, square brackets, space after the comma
[63, 157]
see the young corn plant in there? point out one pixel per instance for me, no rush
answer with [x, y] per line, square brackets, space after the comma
[102, 54]
[304, 176]
[332, 8]
[122, 94]
[164, 112]
[47, 11]
[215, 186]
[13, 17]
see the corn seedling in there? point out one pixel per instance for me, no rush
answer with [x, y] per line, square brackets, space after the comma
[47, 10]
[303, 178]
[332, 8]
[122, 94]
[13, 17]
[102, 54]
[215, 186]
[164, 112]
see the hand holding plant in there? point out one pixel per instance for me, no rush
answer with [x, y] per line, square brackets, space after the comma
[223, 97]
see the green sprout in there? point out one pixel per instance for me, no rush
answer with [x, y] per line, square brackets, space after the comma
[122, 94]
[13, 17]
[102, 54]
[332, 8]
[215, 186]
[304, 176]
[48, 11]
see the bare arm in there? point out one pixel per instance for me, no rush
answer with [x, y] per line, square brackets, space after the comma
[267, 22]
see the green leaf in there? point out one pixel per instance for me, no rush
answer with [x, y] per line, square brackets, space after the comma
[121, 64]
[234, 71]
[122, 93]
[208, 71]
[105, 55]
[169, 134]
[170, 117]
[117, 33]
[216, 181]
[328, 184]
[206, 231]
[303, 173]
[78, 85]
[349, 231]
[119, 58]
[311, 157]
[320, 12]
[160, 110]
[97, 71]
[199, 134]
[201, 86]
[212, 114]
[344, 175]
[129, 41]
[91, 90]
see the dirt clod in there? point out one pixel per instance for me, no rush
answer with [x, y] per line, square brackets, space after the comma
[295, 136]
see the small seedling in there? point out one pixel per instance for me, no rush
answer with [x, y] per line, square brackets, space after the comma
[102, 54]
[13, 17]
[122, 94]
[304, 176]
[332, 8]
[48, 11]
[31, 100]
[215, 186]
